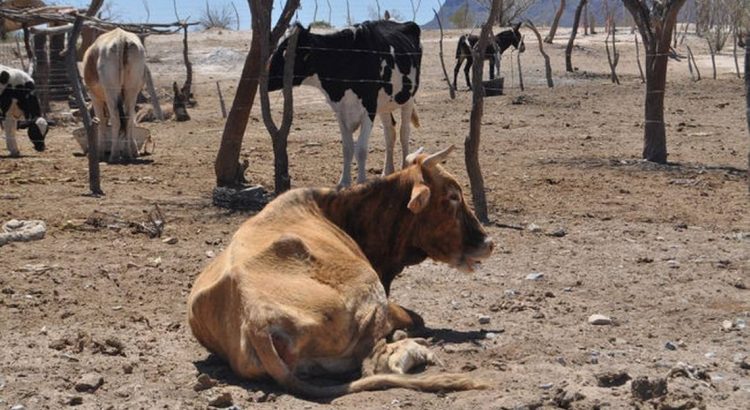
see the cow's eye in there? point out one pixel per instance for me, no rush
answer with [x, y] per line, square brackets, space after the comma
[454, 197]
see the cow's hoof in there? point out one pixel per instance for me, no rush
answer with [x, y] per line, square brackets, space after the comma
[15, 154]
[405, 355]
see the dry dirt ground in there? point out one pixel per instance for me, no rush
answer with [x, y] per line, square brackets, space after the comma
[664, 251]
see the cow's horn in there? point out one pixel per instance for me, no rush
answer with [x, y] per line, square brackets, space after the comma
[413, 156]
[438, 157]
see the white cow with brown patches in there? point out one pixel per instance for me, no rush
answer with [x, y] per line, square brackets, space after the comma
[114, 70]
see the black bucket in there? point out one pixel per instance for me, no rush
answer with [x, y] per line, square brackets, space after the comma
[493, 87]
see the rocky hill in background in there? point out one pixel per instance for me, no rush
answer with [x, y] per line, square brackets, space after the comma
[541, 13]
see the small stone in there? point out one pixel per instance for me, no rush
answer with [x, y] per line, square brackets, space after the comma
[509, 293]
[644, 389]
[170, 240]
[612, 379]
[727, 325]
[710, 355]
[670, 345]
[546, 386]
[490, 335]
[204, 382]
[599, 320]
[127, 368]
[537, 315]
[740, 324]
[535, 276]
[744, 364]
[154, 262]
[484, 319]
[75, 401]
[221, 401]
[563, 399]
[558, 233]
[673, 264]
[532, 227]
[89, 383]
[18, 407]
[210, 254]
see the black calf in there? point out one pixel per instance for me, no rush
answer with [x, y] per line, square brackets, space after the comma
[494, 50]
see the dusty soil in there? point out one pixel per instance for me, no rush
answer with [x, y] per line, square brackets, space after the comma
[664, 251]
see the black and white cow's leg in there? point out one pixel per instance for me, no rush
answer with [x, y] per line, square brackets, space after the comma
[492, 67]
[361, 153]
[347, 128]
[10, 125]
[389, 130]
[467, 68]
[406, 112]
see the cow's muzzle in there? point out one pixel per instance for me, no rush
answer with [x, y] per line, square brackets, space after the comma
[469, 261]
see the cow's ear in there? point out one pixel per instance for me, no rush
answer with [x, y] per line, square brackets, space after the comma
[420, 197]
[517, 26]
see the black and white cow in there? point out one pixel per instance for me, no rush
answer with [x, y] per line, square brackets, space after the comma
[493, 52]
[19, 108]
[369, 69]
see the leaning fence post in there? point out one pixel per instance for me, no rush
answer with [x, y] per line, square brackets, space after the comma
[75, 80]
[221, 101]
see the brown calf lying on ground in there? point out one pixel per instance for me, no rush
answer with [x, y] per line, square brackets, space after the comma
[294, 293]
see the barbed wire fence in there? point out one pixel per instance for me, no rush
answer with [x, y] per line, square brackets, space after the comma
[12, 53]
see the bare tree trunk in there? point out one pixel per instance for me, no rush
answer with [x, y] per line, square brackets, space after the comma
[279, 135]
[747, 97]
[58, 83]
[187, 88]
[451, 90]
[75, 80]
[571, 41]
[520, 73]
[656, 28]
[471, 144]
[734, 54]
[691, 57]
[153, 96]
[586, 19]
[592, 23]
[547, 66]
[42, 70]
[229, 172]
[222, 105]
[613, 58]
[638, 59]
[329, 11]
[713, 56]
[655, 134]
[32, 60]
[555, 22]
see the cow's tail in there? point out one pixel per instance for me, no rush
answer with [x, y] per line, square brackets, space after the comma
[415, 117]
[121, 96]
[280, 372]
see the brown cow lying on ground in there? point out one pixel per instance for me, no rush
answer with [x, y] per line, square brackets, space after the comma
[295, 295]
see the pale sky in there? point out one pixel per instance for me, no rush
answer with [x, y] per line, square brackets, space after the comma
[162, 11]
